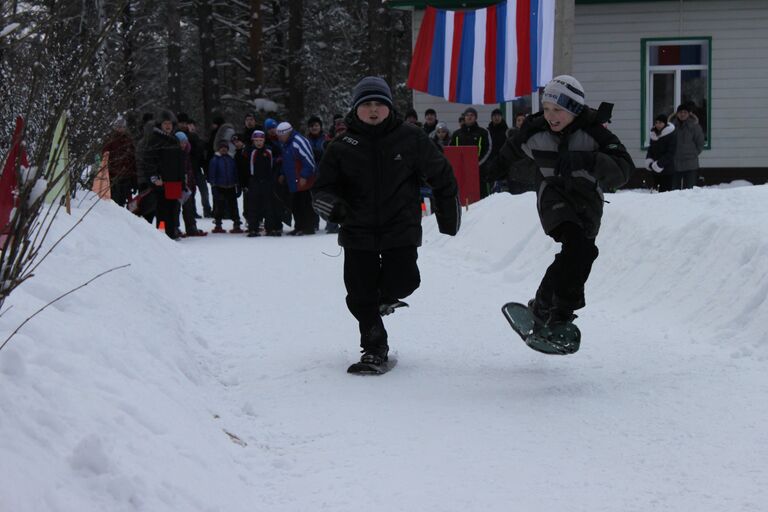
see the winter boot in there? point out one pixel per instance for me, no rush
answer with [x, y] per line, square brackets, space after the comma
[236, 229]
[374, 345]
[218, 229]
[539, 311]
[560, 316]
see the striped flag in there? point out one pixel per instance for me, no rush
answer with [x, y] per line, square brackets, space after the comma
[485, 56]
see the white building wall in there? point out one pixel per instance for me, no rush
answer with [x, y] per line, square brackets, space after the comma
[607, 61]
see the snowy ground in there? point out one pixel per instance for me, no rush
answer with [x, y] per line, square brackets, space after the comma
[210, 375]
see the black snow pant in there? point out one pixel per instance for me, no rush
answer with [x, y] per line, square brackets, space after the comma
[259, 201]
[225, 200]
[168, 211]
[120, 190]
[563, 284]
[202, 187]
[303, 214]
[188, 214]
[374, 278]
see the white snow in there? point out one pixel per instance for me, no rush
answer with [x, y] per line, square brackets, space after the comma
[210, 374]
[8, 29]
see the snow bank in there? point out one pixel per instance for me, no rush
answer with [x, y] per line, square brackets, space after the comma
[105, 396]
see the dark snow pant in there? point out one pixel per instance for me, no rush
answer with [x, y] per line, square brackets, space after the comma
[689, 178]
[168, 211]
[260, 200]
[303, 214]
[121, 190]
[188, 214]
[374, 278]
[563, 284]
[225, 200]
[202, 187]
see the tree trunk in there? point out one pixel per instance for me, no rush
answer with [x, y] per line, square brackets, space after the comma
[282, 64]
[295, 75]
[126, 27]
[257, 56]
[174, 55]
[208, 59]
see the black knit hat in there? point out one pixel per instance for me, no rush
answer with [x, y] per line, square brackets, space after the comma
[430, 111]
[371, 88]
[314, 119]
[662, 118]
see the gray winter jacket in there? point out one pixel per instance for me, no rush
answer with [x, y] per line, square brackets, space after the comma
[690, 142]
[570, 169]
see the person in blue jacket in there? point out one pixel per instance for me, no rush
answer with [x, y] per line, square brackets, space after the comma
[223, 177]
[298, 172]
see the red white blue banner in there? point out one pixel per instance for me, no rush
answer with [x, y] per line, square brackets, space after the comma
[485, 56]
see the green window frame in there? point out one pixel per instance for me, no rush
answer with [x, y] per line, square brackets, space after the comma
[671, 84]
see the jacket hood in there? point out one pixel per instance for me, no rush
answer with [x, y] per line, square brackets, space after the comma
[666, 131]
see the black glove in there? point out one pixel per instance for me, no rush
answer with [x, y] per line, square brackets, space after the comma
[448, 213]
[331, 211]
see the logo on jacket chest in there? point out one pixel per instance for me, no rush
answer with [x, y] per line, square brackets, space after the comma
[350, 140]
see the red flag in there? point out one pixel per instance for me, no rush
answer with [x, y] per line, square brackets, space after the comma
[9, 181]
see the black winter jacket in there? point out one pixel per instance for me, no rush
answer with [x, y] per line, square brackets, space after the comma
[661, 150]
[476, 136]
[498, 134]
[163, 157]
[570, 169]
[369, 181]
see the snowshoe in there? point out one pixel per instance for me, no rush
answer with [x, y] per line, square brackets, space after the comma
[554, 336]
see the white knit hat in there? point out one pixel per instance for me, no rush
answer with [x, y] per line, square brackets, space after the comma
[565, 91]
[284, 128]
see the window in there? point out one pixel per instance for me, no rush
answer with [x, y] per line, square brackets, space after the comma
[676, 71]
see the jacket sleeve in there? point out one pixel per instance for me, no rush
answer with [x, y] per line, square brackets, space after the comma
[698, 138]
[151, 160]
[486, 143]
[212, 170]
[325, 192]
[613, 165]
[305, 154]
[439, 175]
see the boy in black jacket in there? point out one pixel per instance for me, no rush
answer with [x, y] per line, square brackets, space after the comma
[571, 157]
[369, 181]
[259, 188]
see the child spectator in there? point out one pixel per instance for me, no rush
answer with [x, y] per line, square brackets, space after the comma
[260, 188]
[222, 175]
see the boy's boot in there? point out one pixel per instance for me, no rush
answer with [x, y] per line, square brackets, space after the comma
[374, 343]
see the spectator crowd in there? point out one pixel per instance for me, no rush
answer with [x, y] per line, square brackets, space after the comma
[258, 175]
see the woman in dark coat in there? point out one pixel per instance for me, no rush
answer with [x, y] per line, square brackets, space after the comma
[164, 169]
[661, 153]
